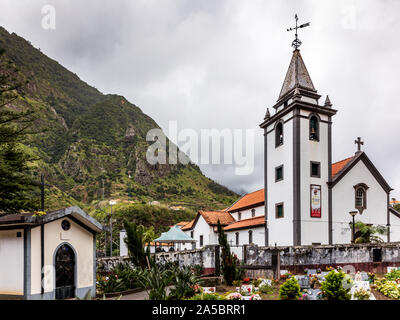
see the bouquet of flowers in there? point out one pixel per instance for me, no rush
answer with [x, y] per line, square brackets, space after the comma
[234, 296]
[362, 294]
[255, 297]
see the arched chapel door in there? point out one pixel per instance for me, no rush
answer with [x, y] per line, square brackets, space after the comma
[65, 272]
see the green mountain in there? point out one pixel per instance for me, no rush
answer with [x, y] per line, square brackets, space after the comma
[94, 146]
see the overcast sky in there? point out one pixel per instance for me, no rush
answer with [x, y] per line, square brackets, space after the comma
[221, 63]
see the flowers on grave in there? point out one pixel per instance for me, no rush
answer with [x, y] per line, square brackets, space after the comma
[246, 280]
[371, 277]
[255, 297]
[314, 281]
[362, 294]
[304, 296]
[234, 296]
[329, 268]
[318, 271]
[196, 288]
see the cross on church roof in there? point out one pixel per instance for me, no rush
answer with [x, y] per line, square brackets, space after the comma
[296, 42]
[359, 144]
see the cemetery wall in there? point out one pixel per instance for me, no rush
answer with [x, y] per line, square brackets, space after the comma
[363, 257]
[205, 257]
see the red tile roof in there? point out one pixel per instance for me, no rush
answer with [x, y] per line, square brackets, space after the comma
[338, 166]
[188, 226]
[247, 223]
[212, 217]
[248, 200]
[181, 224]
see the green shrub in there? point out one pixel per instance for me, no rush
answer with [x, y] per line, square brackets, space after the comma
[207, 296]
[237, 283]
[266, 289]
[156, 281]
[393, 275]
[336, 286]
[388, 288]
[290, 290]
[184, 282]
[198, 270]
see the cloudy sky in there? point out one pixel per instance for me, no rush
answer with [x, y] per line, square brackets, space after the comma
[220, 63]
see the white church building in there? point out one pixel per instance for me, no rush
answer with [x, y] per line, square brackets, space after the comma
[307, 199]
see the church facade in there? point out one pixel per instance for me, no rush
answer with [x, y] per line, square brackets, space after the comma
[307, 199]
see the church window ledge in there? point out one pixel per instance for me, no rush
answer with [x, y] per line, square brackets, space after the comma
[360, 197]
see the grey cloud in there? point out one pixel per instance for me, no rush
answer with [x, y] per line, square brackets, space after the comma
[221, 63]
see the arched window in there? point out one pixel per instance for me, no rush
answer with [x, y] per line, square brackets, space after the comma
[279, 134]
[237, 238]
[361, 197]
[250, 236]
[314, 128]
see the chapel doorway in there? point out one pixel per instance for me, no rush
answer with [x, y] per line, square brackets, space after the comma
[65, 272]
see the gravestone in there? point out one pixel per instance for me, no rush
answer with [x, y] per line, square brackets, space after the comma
[364, 276]
[304, 282]
[314, 294]
[209, 289]
[311, 271]
[283, 272]
[267, 282]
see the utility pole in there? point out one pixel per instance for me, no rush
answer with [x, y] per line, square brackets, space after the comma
[112, 202]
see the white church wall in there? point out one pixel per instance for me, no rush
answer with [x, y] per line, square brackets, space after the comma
[247, 214]
[258, 236]
[344, 201]
[282, 191]
[394, 228]
[11, 262]
[313, 230]
[202, 229]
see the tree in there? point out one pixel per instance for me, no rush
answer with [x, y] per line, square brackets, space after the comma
[367, 233]
[336, 286]
[229, 261]
[16, 181]
[134, 242]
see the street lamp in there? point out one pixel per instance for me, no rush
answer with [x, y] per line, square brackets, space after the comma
[353, 214]
[111, 203]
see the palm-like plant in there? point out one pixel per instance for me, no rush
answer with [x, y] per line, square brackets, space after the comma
[155, 281]
[368, 233]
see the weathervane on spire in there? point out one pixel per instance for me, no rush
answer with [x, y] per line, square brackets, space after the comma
[296, 42]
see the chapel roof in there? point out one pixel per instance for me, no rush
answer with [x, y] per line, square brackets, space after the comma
[31, 219]
[212, 217]
[188, 226]
[246, 223]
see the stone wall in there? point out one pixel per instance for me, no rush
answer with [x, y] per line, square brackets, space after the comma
[205, 257]
[365, 257]
[106, 264]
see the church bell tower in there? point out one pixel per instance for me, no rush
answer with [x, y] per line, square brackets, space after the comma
[297, 161]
